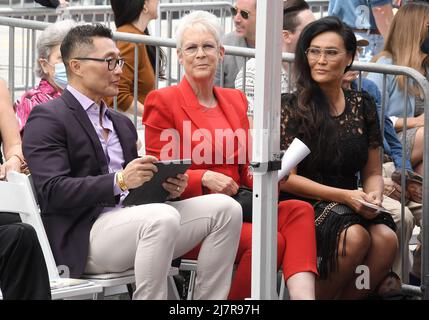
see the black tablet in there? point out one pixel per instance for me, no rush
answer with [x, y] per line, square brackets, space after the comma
[153, 191]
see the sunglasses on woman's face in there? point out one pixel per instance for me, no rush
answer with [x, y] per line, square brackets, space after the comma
[243, 13]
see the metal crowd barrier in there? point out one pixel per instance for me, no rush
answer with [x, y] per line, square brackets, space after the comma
[31, 3]
[424, 85]
[180, 1]
[289, 58]
[168, 13]
[88, 13]
[27, 43]
[319, 7]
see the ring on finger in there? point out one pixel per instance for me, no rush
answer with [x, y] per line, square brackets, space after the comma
[178, 189]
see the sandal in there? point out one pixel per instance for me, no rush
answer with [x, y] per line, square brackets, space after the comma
[413, 184]
[390, 288]
[397, 177]
[395, 194]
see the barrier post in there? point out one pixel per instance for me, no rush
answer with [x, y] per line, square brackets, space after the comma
[266, 145]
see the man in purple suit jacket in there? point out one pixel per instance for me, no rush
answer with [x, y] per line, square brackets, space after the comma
[83, 160]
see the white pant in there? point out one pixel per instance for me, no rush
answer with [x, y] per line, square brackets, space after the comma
[148, 237]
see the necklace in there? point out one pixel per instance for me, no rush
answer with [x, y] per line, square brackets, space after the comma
[205, 109]
[212, 101]
[211, 104]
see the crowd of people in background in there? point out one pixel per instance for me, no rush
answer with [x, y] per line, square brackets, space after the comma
[83, 155]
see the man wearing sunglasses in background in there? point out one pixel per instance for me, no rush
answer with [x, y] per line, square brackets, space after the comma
[296, 15]
[244, 35]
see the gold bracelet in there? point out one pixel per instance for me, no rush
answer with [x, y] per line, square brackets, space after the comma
[120, 180]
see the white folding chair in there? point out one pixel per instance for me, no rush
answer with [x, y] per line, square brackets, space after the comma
[16, 196]
[19, 198]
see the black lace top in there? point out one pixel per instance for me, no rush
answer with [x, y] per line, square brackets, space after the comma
[357, 130]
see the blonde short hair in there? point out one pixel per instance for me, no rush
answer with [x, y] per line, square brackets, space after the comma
[202, 21]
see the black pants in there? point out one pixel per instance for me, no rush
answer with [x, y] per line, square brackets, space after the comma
[23, 272]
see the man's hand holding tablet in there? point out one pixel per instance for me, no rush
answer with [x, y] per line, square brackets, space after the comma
[168, 181]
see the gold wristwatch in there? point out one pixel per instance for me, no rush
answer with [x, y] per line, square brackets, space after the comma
[120, 180]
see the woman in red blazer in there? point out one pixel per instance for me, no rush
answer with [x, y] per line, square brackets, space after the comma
[209, 125]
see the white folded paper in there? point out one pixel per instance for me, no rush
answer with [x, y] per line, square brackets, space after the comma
[296, 152]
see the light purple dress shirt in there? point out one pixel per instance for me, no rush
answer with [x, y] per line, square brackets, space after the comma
[112, 147]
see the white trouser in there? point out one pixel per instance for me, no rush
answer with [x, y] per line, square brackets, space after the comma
[148, 237]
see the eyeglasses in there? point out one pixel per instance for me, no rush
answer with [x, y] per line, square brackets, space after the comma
[243, 13]
[314, 54]
[112, 63]
[208, 48]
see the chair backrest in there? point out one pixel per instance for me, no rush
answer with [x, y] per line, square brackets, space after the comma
[16, 196]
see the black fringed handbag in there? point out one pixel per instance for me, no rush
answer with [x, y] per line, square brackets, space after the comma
[323, 208]
[330, 219]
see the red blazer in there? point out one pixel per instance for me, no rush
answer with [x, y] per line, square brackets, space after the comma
[174, 106]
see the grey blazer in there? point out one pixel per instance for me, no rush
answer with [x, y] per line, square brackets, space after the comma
[231, 64]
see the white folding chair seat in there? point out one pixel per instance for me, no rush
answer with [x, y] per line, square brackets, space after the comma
[111, 280]
[116, 279]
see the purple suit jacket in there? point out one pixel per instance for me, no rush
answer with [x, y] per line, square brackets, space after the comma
[70, 173]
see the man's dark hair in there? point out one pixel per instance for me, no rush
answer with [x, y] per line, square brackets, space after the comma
[291, 9]
[82, 36]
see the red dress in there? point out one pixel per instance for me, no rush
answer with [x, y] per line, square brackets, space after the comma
[176, 126]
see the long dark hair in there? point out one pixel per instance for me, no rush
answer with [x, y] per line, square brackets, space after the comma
[127, 11]
[316, 125]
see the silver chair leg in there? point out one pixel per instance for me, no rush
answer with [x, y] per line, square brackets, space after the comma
[100, 295]
[191, 287]
[173, 293]
[283, 292]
